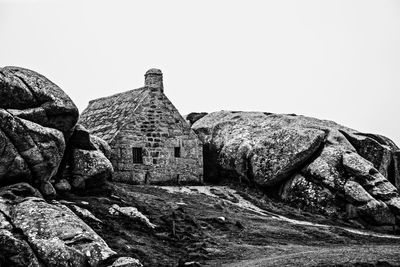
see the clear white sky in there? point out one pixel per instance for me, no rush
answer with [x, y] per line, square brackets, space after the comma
[337, 60]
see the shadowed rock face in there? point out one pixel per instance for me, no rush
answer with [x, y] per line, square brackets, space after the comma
[31, 96]
[39, 138]
[41, 144]
[86, 162]
[36, 117]
[318, 165]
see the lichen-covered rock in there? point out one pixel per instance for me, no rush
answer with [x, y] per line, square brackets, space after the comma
[58, 235]
[86, 162]
[319, 165]
[101, 145]
[36, 117]
[30, 152]
[36, 233]
[84, 213]
[63, 186]
[126, 262]
[31, 96]
[15, 251]
[369, 177]
[252, 145]
[355, 193]
[380, 155]
[89, 168]
[131, 212]
[303, 193]
[280, 153]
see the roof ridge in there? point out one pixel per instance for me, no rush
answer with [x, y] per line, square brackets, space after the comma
[143, 96]
[117, 94]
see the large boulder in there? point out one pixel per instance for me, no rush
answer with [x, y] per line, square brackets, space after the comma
[89, 169]
[40, 142]
[314, 164]
[31, 96]
[86, 163]
[36, 118]
[36, 233]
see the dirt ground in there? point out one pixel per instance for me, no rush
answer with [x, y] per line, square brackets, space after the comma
[228, 226]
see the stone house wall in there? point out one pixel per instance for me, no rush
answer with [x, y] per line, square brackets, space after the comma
[157, 128]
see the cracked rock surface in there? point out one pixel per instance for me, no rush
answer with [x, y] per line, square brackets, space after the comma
[314, 164]
[36, 117]
[36, 233]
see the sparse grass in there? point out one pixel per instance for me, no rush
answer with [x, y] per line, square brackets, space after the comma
[189, 230]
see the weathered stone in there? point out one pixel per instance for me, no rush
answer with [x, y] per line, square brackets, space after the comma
[35, 117]
[308, 195]
[369, 177]
[332, 178]
[355, 193]
[376, 213]
[33, 151]
[47, 189]
[36, 233]
[275, 157]
[131, 212]
[63, 186]
[101, 145]
[81, 139]
[17, 192]
[126, 262]
[57, 235]
[327, 168]
[252, 145]
[396, 169]
[89, 168]
[31, 96]
[370, 149]
[84, 213]
[15, 251]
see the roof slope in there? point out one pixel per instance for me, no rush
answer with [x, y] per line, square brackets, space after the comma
[105, 116]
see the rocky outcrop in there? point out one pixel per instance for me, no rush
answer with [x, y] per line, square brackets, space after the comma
[86, 164]
[31, 96]
[131, 212]
[314, 164]
[36, 119]
[41, 146]
[39, 141]
[36, 233]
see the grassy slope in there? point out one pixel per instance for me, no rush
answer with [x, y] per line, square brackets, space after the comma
[189, 230]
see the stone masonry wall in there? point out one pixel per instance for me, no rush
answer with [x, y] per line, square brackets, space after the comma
[158, 128]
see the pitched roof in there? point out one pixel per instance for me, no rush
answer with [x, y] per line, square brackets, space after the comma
[105, 116]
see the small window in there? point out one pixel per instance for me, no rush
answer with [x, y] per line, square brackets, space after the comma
[137, 155]
[177, 152]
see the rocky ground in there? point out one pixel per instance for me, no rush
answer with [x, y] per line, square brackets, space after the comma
[227, 226]
[287, 191]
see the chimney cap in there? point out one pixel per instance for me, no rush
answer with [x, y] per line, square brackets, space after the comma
[153, 72]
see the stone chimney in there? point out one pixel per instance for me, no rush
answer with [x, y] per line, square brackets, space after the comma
[154, 78]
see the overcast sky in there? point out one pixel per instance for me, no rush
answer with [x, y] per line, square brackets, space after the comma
[337, 60]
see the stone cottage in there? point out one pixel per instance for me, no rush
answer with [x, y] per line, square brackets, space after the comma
[151, 142]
